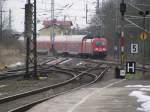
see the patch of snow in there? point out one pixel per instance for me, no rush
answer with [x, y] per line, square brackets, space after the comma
[140, 109]
[144, 89]
[1, 86]
[66, 61]
[79, 64]
[54, 61]
[146, 106]
[16, 64]
[138, 86]
[142, 98]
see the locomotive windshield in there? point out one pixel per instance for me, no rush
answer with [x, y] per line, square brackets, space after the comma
[100, 43]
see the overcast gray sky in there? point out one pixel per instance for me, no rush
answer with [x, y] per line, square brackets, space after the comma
[74, 10]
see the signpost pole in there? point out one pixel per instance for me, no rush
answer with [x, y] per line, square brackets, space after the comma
[143, 46]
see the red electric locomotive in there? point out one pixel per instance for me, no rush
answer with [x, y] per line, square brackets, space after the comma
[75, 44]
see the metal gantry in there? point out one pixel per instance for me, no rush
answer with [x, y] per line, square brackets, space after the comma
[144, 14]
[30, 38]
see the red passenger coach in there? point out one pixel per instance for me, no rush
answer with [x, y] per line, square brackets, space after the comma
[75, 44]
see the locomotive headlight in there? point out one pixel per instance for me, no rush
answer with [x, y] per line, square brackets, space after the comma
[96, 49]
[104, 49]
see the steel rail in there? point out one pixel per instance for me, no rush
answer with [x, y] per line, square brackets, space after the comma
[89, 74]
[14, 97]
[21, 71]
[141, 69]
[40, 64]
[28, 106]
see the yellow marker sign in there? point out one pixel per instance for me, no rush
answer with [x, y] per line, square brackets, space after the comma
[143, 36]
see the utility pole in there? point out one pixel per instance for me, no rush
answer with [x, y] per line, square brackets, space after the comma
[116, 39]
[86, 13]
[1, 27]
[30, 36]
[102, 18]
[10, 19]
[97, 7]
[53, 25]
[35, 40]
[65, 32]
[99, 18]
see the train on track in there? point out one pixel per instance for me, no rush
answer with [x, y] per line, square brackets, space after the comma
[82, 45]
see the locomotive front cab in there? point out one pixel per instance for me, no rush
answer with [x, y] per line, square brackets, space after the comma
[99, 47]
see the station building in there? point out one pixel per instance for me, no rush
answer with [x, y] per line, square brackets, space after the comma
[60, 27]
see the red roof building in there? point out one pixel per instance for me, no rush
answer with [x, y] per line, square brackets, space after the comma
[60, 27]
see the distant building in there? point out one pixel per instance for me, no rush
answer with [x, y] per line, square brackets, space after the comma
[60, 27]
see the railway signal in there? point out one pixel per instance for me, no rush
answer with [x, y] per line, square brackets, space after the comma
[122, 11]
[122, 8]
[120, 72]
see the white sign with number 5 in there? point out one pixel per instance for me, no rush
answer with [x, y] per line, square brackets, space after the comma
[134, 48]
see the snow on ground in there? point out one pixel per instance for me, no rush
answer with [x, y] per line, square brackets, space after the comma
[79, 64]
[66, 61]
[142, 97]
[145, 89]
[16, 64]
[138, 86]
[1, 86]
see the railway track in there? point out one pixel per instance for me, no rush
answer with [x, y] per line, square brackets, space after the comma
[11, 73]
[39, 92]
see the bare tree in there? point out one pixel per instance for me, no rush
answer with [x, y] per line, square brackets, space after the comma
[3, 19]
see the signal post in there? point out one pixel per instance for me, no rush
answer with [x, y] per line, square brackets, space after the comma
[120, 72]
[122, 11]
